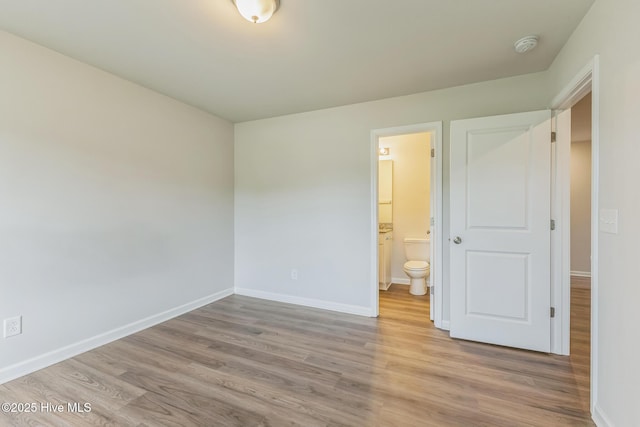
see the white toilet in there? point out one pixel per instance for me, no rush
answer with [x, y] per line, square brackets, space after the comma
[417, 266]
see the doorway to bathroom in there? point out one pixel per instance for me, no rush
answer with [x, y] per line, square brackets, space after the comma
[407, 205]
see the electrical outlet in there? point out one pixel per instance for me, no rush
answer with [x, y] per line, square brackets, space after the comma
[12, 326]
[294, 274]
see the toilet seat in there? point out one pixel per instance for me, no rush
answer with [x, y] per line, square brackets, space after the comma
[416, 265]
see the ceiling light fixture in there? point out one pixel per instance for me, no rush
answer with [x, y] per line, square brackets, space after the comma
[526, 44]
[257, 11]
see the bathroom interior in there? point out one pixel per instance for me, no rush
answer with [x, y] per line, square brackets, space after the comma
[404, 218]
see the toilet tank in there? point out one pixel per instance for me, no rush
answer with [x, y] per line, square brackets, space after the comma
[417, 248]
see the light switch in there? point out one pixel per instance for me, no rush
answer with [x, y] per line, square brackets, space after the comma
[609, 221]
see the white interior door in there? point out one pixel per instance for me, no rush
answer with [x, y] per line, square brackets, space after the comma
[500, 230]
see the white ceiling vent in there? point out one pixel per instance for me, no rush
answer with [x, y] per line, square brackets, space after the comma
[526, 44]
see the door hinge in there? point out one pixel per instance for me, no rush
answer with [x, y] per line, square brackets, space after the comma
[553, 224]
[433, 152]
[553, 137]
[553, 312]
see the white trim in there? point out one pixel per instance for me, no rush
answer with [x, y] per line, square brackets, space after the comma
[561, 237]
[384, 287]
[400, 280]
[44, 360]
[435, 128]
[437, 273]
[374, 156]
[588, 78]
[578, 87]
[580, 273]
[446, 325]
[307, 302]
[600, 418]
[595, 201]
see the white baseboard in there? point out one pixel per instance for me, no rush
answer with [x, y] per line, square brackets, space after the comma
[446, 325]
[600, 418]
[39, 362]
[384, 287]
[401, 280]
[581, 273]
[307, 302]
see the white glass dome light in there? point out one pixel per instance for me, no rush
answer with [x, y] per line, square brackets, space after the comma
[257, 11]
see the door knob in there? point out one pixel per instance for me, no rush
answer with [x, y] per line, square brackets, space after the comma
[457, 240]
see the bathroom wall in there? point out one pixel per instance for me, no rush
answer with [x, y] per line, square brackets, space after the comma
[581, 187]
[117, 206]
[411, 155]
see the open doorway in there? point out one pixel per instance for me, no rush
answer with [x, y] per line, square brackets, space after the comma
[575, 331]
[404, 222]
[580, 259]
[406, 184]
[580, 246]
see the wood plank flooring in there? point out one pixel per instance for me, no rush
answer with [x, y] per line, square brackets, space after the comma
[248, 362]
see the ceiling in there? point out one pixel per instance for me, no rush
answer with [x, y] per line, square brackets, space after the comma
[312, 54]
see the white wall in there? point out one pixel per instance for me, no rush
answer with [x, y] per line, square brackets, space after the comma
[303, 189]
[411, 181]
[117, 205]
[581, 207]
[611, 30]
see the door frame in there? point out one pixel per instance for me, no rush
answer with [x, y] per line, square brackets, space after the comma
[435, 128]
[587, 79]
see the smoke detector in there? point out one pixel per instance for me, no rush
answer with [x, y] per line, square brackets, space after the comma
[526, 44]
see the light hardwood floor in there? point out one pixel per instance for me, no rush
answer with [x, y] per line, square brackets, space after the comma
[248, 362]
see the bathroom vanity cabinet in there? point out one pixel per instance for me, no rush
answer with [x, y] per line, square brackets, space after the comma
[385, 241]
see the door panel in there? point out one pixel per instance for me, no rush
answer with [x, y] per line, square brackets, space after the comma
[497, 160]
[512, 283]
[500, 210]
